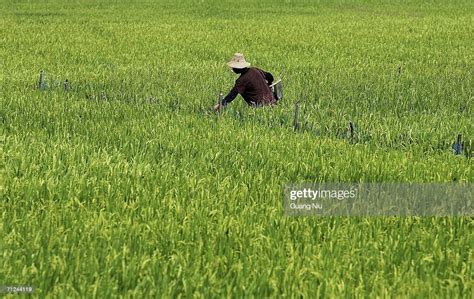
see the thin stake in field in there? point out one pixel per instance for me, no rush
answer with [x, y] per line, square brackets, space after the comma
[468, 148]
[295, 119]
[458, 145]
[41, 81]
[220, 99]
[66, 85]
[351, 132]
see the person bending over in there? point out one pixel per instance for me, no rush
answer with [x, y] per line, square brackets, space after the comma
[253, 84]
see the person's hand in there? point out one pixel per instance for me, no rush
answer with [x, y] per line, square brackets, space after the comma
[218, 106]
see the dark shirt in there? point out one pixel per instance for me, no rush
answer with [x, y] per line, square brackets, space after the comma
[253, 86]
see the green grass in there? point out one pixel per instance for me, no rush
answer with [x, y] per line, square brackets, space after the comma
[129, 186]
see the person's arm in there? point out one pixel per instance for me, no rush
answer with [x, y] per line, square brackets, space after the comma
[268, 77]
[230, 96]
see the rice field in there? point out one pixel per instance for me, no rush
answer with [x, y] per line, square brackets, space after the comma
[126, 183]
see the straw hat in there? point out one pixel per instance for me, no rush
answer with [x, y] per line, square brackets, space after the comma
[238, 62]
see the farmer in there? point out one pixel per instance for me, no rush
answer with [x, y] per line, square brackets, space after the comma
[253, 84]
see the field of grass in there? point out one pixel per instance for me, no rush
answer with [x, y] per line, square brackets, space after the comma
[128, 185]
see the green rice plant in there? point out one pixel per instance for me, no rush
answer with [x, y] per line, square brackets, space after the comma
[129, 185]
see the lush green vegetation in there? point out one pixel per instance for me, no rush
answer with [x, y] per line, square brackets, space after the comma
[129, 185]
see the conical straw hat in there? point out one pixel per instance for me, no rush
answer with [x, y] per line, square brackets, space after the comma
[238, 61]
